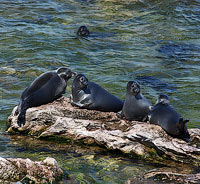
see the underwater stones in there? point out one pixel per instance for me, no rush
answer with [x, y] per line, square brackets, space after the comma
[60, 120]
[18, 169]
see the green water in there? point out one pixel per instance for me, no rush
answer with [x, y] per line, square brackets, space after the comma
[155, 42]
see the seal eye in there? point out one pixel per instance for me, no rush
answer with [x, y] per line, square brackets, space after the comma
[81, 79]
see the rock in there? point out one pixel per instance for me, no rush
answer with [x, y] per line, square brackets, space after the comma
[25, 170]
[166, 174]
[60, 120]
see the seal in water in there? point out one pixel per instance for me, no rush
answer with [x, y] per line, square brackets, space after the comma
[136, 106]
[44, 89]
[89, 95]
[83, 31]
[164, 115]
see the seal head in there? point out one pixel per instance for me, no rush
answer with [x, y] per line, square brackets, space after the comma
[65, 73]
[80, 82]
[163, 99]
[133, 88]
[83, 31]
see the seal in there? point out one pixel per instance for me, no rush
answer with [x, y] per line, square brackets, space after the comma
[89, 95]
[44, 89]
[164, 115]
[136, 106]
[83, 31]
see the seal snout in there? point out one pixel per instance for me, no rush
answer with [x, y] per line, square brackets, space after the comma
[70, 74]
[135, 89]
[73, 74]
[85, 83]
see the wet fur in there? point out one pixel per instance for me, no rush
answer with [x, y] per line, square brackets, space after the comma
[94, 97]
[44, 89]
[136, 106]
[164, 115]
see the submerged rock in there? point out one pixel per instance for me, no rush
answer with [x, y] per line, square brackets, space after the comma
[60, 120]
[25, 170]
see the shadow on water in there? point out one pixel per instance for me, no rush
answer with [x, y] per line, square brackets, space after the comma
[156, 84]
[41, 20]
[180, 51]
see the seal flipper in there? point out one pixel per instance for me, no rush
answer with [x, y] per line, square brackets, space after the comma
[151, 107]
[182, 123]
[80, 105]
[183, 129]
[70, 98]
[145, 119]
[21, 120]
[120, 114]
[77, 104]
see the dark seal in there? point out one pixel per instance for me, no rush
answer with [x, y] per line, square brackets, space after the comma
[89, 95]
[44, 89]
[136, 106]
[83, 31]
[164, 115]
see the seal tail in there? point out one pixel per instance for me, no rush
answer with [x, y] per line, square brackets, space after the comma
[183, 129]
[182, 121]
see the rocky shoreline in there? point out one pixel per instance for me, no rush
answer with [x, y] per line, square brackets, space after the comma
[61, 121]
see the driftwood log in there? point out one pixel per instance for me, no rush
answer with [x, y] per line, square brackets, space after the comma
[62, 121]
[24, 170]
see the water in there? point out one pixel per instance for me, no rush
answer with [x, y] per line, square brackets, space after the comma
[154, 42]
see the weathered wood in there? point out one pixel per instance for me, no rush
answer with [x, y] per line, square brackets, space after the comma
[60, 120]
[25, 170]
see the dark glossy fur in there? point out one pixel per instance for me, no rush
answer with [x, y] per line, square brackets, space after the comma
[90, 95]
[44, 89]
[164, 115]
[136, 106]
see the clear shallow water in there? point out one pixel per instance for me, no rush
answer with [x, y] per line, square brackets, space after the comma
[156, 42]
